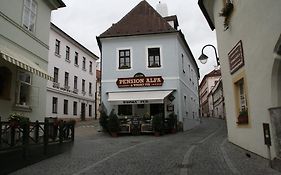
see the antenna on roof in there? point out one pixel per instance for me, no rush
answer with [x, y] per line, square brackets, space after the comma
[162, 9]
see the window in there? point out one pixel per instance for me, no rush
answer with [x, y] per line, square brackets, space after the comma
[90, 110]
[182, 63]
[76, 59]
[90, 88]
[91, 67]
[75, 82]
[57, 47]
[83, 85]
[66, 78]
[65, 106]
[125, 110]
[29, 15]
[74, 108]
[124, 59]
[23, 88]
[55, 105]
[67, 51]
[154, 57]
[84, 63]
[241, 101]
[56, 74]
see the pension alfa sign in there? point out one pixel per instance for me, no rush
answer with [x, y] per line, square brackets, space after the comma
[139, 81]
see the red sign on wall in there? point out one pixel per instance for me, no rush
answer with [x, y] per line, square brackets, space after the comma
[140, 81]
[236, 57]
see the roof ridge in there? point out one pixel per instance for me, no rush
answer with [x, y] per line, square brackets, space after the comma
[142, 19]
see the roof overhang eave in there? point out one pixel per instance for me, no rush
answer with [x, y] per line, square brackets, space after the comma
[205, 13]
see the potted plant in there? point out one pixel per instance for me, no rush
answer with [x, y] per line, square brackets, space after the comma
[157, 124]
[103, 120]
[172, 122]
[113, 124]
[243, 117]
[226, 12]
[18, 120]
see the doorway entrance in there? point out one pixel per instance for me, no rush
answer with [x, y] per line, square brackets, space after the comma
[83, 111]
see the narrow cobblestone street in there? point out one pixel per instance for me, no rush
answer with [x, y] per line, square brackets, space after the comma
[202, 150]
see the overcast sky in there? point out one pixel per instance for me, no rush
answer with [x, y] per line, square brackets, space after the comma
[85, 19]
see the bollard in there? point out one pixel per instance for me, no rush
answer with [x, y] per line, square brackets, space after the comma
[46, 135]
[72, 131]
[25, 139]
[61, 135]
[36, 130]
[0, 132]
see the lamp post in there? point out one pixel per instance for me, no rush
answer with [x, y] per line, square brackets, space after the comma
[203, 58]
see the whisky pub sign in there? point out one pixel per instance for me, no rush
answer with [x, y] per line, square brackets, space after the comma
[140, 81]
[236, 57]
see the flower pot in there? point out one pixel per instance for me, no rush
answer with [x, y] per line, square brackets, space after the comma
[114, 134]
[173, 130]
[157, 134]
[242, 119]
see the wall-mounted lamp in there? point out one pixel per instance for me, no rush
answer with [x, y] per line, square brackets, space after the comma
[203, 58]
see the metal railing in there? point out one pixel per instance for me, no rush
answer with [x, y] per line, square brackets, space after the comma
[22, 135]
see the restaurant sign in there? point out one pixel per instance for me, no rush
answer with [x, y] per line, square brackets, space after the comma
[236, 57]
[140, 81]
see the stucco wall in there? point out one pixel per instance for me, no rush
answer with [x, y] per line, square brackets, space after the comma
[32, 46]
[68, 66]
[257, 24]
[171, 69]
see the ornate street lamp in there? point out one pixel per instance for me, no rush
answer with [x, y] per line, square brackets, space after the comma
[203, 58]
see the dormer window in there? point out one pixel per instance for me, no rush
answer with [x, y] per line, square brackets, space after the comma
[154, 57]
[124, 59]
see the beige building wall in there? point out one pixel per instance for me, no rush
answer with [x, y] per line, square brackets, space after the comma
[257, 24]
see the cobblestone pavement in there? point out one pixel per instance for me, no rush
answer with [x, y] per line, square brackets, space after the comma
[202, 150]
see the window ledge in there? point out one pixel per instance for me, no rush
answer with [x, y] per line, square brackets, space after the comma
[84, 69]
[122, 68]
[19, 107]
[76, 65]
[58, 55]
[68, 60]
[154, 66]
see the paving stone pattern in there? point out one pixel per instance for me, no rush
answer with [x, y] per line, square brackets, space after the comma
[202, 150]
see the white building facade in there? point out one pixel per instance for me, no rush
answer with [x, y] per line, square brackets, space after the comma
[207, 84]
[24, 44]
[72, 92]
[147, 70]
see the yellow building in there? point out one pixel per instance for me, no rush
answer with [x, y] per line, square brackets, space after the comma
[248, 35]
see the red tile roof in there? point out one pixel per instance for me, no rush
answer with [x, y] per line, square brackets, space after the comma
[213, 73]
[142, 19]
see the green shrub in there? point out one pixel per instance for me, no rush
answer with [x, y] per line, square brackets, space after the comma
[172, 120]
[18, 119]
[103, 120]
[158, 123]
[113, 124]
